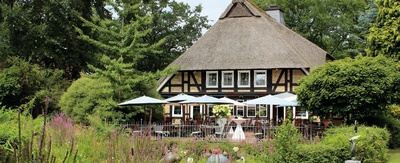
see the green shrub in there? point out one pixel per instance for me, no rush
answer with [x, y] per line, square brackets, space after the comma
[9, 135]
[371, 146]
[287, 138]
[321, 153]
[391, 123]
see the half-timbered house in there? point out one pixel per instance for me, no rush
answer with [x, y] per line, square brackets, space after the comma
[246, 54]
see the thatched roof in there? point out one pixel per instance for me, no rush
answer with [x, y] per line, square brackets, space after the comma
[246, 37]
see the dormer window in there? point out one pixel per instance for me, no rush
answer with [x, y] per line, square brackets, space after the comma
[227, 78]
[212, 79]
[260, 78]
[244, 79]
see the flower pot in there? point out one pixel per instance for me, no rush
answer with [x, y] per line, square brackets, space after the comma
[221, 121]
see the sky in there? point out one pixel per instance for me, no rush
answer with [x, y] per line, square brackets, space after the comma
[211, 8]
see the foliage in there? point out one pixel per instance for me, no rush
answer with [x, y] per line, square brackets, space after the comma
[394, 111]
[28, 84]
[177, 24]
[392, 124]
[15, 134]
[121, 49]
[43, 33]
[320, 152]
[333, 25]
[87, 97]
[222, 111]
[359, 87]
[287, 138]
[384, 35]
[371, 146]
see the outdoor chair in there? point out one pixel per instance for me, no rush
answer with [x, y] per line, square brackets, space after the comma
[222, 132]
[259, 132]
[197, 134]
[159, 130]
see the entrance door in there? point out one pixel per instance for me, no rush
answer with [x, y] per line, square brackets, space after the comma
[195, 110]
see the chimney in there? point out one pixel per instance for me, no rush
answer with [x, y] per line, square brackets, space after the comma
[275, 12]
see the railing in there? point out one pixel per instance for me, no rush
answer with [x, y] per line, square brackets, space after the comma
[203, 131]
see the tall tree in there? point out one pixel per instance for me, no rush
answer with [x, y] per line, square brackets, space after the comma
[331, 24]
[384, 36]
[121, 46]
[43, 32]
[359, 87]
[175, 22]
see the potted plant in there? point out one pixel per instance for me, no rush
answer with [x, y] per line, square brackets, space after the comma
[222, 112]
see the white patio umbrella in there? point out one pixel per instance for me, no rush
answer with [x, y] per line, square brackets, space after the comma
[270, 100]
[179, 98]
[232, 101]
[144, 100]
[205, 99]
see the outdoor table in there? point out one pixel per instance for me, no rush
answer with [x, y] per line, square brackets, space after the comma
[208, 130]
[238, 134]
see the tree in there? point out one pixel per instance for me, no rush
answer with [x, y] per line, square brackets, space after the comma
[175, 23]
[332, 25]
[384, 35]
[42, 31]
[22, 83]
[358, 87]
[121, 46]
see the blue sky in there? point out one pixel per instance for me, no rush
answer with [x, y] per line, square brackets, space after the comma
[211, 8]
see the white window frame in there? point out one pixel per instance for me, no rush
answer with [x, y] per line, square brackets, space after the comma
[207, 77]
[173, 111]
[253, 107]
[266, 110]
[241, 108]
[239, 82]
[255, 78]
[223, 79]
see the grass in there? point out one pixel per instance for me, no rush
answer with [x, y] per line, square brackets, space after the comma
[394, 155]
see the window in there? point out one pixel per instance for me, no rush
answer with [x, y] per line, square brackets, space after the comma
[239, 111]
[262, 110]
[260, 79]
[227, 79]
[209, 110]
[251, 110]
[212, 79]
[177, 110]
[244, 79]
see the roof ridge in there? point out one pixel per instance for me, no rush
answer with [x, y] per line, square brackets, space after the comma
[239, 8]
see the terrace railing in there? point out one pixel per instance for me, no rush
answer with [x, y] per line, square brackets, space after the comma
[212, 132]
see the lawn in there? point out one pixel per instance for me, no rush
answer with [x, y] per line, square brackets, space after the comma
[394, 155]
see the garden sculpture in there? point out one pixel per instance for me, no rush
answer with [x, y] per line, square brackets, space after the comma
[353, 146]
